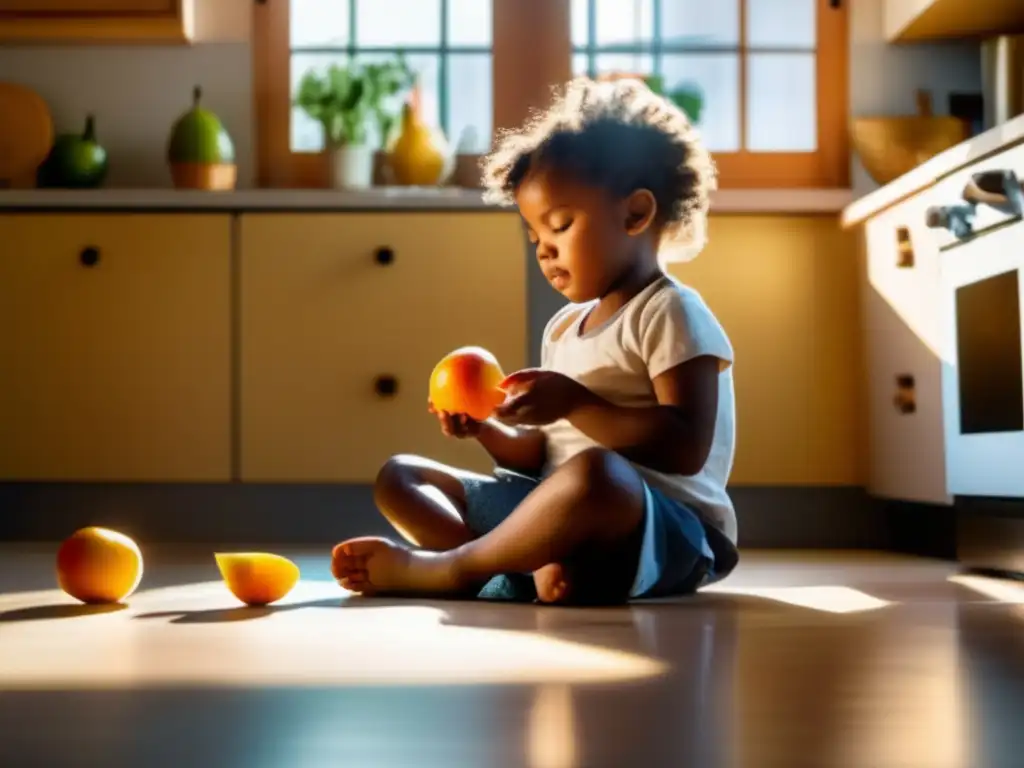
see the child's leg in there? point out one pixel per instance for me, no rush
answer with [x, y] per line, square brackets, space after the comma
[588, 512]
[424, 500]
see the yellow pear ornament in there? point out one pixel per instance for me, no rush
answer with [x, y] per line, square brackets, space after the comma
[420, 155]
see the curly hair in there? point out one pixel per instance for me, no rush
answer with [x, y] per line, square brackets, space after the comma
[620, 136]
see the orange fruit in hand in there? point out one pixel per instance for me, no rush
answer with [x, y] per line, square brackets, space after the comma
[98, 565]
[257, 578]
[466, 381]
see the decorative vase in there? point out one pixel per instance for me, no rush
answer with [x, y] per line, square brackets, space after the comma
[200, 152]
[352, 166]
[76, 161]
[420, 155]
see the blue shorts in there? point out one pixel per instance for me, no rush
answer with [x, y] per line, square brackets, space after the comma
[677, 553]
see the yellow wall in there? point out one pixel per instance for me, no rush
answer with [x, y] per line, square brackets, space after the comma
[785, 288]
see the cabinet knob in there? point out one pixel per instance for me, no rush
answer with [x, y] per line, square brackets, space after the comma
[386, 386]
[905, 399]
[90, 256]
[384, 256]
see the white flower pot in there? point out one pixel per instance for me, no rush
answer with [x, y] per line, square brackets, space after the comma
[352, 166]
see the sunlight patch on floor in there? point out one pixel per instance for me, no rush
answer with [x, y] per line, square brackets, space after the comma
[199, 635]
[1000, 590]
[830, 599]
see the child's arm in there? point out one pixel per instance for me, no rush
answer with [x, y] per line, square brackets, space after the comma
[520, 449]
[674, 436]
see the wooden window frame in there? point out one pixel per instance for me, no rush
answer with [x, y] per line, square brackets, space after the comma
[542, 27]
[828, 166]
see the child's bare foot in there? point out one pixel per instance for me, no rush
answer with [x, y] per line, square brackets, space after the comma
[373, 565]
[551, 582]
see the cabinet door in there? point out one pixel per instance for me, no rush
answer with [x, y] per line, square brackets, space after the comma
[115, 354]
[327, 329]
[97, 21]
[903, 342]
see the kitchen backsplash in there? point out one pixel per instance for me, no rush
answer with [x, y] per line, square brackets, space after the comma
[136, 93]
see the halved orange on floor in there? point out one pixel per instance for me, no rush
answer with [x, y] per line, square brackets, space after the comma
[257, 578]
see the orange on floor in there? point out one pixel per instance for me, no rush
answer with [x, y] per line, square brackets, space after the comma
[98, 565]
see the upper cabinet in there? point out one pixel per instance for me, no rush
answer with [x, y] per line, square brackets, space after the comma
[908, 21]
[96, 21]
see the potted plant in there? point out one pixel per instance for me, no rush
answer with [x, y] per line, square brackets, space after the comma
[687, 96]
[348, 101]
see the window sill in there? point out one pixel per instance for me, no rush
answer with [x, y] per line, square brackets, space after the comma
[726, 201]
[781, 201]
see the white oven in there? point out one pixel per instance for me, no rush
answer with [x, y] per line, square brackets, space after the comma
[979, 221]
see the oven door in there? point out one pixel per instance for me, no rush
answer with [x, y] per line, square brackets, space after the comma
[982, 351]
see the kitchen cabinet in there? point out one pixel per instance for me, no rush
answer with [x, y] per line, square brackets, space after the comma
[115, 355]
[96, 21]
[902, 338]
[343, 317]
[908, 21]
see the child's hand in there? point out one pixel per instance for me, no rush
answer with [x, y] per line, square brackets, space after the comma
[456, 424]
[538, 397]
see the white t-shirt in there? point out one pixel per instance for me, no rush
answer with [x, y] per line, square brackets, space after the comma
[666, 324]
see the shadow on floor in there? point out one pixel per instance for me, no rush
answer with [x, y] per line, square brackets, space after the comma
[241, 613]
[58, 611]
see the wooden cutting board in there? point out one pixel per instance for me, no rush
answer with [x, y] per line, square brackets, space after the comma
[26, 134]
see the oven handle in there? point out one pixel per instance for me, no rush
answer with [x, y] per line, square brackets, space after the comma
[998, 189]
[958, 219]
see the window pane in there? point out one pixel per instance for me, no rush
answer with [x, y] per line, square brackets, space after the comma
[696, 23]
[782, 23]
[393, 23]
[580, 15]
[623, 63]
[625, 21]
[716, 78]
[579, 64]
[469, 22]
[470, 104]
[782, 113]
[316, 23]
[306, 134]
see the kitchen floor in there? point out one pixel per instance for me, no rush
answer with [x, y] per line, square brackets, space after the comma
[824, 659]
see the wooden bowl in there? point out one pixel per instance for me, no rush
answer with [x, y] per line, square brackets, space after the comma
[208, 176]
[891, 146]
[26, 135]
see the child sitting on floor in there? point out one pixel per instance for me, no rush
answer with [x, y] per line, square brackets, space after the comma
[611, 458]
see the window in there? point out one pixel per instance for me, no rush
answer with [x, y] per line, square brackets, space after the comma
[773, 87]
[769, 77]
[447, 43]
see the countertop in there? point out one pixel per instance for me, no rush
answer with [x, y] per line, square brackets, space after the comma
[768, 201]
[942, 165]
